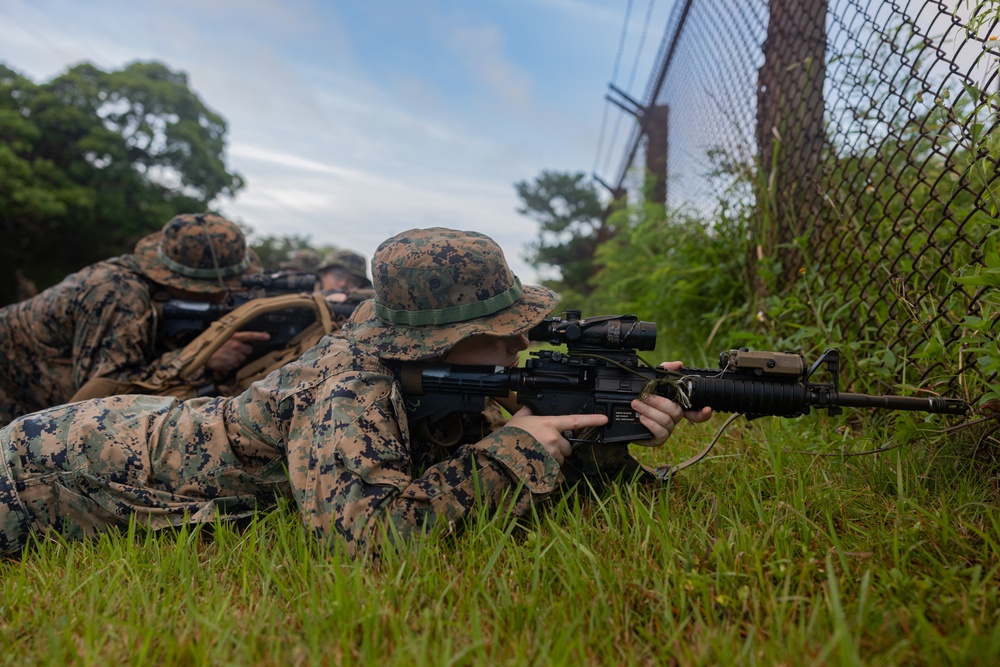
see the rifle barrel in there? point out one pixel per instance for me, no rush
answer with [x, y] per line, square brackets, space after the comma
[948, 406]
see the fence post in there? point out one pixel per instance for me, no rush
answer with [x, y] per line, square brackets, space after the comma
[655, 121]
[790, 135]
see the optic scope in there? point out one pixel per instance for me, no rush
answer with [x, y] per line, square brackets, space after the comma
[608, 332]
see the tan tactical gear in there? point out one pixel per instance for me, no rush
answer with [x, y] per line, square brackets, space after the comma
[760, 362]
[198, 252]
[435, 287]
[184, 375]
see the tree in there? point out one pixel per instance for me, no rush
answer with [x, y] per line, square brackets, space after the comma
[573, 226]
[91, 161]
[273, 250]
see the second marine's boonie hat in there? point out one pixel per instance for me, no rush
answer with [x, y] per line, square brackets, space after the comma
[198, 252]
[434, 288]
[304, 260]
[349, 261]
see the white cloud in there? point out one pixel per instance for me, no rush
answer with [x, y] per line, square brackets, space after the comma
[356, 209]
[481, 51]
[594, 12]
[283, 159]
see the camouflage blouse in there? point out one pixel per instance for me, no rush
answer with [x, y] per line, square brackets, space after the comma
[98, 322]
[328, 430]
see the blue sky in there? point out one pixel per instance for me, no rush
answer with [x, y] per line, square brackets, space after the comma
[355, 120]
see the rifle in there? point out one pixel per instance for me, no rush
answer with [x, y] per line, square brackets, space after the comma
[601, 372]
[183, 321]
[279, 283]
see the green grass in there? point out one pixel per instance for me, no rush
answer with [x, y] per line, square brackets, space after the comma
[758, 555]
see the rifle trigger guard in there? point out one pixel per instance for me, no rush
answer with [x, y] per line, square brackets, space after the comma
[447, 432]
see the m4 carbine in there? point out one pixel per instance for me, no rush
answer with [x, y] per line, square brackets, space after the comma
[600, 372]
[182, 321]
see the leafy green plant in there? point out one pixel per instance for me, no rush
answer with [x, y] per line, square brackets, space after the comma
[980, 339]
[684, 273]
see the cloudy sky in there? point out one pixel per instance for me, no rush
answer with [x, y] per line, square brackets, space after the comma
[353, 120]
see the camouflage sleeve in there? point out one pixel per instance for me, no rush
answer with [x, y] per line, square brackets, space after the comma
[356, 479]
[113, 336]
[507, 471]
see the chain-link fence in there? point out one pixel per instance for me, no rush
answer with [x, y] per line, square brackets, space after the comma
[860, 132]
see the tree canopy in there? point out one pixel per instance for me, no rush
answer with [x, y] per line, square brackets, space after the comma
[91, 161]
[274, 250]
[572, 225]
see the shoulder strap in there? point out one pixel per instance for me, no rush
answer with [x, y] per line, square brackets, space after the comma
[196, 354]
[176, 377]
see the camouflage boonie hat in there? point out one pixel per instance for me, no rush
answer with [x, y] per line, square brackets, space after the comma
[303, 260]
[198, 252]
[436, 287]
[349, 261]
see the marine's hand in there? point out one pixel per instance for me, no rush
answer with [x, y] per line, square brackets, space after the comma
[661, 415]
[335, 297]
[693, 416]
[234, 352]
[548, 430]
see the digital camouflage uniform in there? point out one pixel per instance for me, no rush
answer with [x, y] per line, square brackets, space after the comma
[101, 321]
[334, 420]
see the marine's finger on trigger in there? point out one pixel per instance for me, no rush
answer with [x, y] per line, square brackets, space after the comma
[574, 422]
